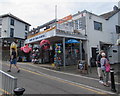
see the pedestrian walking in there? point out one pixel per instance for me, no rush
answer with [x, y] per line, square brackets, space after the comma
[105, 66]
[100, 75]
[13, 60]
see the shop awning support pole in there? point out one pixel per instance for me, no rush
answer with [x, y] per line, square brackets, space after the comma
[64, 52]
[81, 50]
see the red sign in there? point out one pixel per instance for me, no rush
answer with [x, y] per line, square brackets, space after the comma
[65, 19]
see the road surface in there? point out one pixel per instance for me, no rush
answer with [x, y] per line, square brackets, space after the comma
[39, 80]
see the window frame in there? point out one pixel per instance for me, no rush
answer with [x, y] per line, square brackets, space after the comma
[0, 21]
[12, 22]
[76, 24]
[117, 29]
[26, 27]
[98, 27]
[0, 31]
[12, 32]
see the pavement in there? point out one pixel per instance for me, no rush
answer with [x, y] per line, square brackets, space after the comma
[91, 72]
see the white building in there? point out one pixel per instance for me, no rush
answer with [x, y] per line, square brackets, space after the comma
[12, 29]
[94, 32]
[113, 27]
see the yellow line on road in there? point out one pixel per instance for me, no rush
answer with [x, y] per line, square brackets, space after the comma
[60, 80]
[4, 91]
[70, 83]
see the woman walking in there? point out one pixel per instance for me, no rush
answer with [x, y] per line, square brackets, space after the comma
[13, 60]
[105, 66]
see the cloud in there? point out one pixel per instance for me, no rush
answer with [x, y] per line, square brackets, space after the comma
[38, 12]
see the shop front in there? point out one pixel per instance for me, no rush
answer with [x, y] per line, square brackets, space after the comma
[65, 49]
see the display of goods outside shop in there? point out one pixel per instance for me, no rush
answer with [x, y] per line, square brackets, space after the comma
[26, 49]
[45, 44]
[57, 58]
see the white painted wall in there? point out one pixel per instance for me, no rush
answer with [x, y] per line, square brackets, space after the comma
[19, 29]
[112, 22]
[5, 22]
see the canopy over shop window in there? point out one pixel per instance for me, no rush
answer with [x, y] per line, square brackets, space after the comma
[72, 41]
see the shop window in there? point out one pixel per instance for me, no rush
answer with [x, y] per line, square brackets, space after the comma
[11, 22]
[11, 32]
[97, 26]
[117, 29]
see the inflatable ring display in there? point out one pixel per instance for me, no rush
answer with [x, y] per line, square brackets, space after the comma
[26, 49]
[45, 44]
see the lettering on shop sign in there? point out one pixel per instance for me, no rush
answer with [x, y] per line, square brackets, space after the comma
[37, 37]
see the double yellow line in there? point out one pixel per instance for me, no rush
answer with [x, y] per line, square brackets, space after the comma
[5, 92]
[61, 80]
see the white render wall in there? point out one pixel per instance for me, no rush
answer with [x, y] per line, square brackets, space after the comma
[94, 36]
[112, 22]
[19, 29]
[5, 22]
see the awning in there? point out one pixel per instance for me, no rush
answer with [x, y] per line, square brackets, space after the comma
[72, 41]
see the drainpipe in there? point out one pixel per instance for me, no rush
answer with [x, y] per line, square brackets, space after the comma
[55, 19]
[81, 50]
[64, 60]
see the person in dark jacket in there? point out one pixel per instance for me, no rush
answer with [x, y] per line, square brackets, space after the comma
[99, 56]
[13, 60]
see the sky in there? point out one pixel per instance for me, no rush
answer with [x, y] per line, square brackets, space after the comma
[38, 12]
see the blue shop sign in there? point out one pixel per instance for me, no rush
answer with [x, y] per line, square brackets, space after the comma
[36, 38]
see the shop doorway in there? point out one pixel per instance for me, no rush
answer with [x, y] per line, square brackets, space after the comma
[93, 58]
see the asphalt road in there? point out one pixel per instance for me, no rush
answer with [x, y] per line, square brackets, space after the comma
[39, 80]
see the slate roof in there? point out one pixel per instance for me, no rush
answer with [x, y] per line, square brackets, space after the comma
[14, 17]
[109, 14]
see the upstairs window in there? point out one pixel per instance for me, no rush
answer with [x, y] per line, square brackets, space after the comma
[117, 29]
[0, 21]
[12, 22]
[97, 26]
[11, 32]
[76, 24]
[25, 35]
[0, 32]
[26, 28]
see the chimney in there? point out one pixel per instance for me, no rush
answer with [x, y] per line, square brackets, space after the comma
[115, 8]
